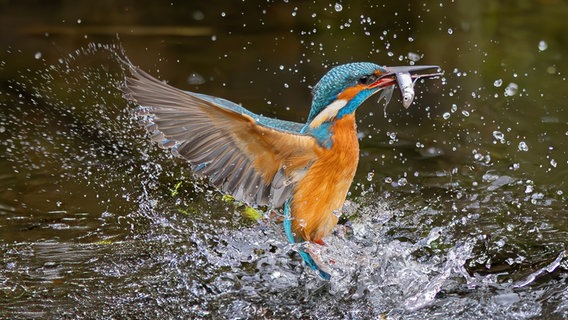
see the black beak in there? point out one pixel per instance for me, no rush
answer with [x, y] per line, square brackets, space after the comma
[416, 72]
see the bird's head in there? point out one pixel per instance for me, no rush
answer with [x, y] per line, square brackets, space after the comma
[345, 87]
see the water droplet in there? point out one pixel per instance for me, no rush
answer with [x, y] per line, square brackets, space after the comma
[511, 89]
[195, 79]
[388, 180]
[542, 45]
[465, 113]
[370, 176]
[37, 55]
[413, 56]
[454, 108]
[402, 182]
[338, 7]
[523, 146]
[450, 31]
[281, 67]
[499, 136]
[223, 14]
[198, 15]
[497, 83]
[500, 242]
[446, 115]
[553, 163]
[529, 189]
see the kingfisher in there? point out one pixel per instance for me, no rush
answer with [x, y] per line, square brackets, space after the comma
[304, 169]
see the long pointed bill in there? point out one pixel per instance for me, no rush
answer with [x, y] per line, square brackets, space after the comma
[405, 77]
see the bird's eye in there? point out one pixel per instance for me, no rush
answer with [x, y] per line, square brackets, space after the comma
[367, 79]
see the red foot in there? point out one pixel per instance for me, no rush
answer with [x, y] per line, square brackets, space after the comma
[319, 241]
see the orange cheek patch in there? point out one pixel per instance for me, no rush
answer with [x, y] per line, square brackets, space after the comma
[350, 92]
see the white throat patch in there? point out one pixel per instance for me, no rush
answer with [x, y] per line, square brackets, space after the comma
[328, 113]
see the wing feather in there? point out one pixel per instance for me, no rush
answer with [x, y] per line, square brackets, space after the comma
[254, 158]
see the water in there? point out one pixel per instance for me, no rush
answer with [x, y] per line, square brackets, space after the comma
[462, 218]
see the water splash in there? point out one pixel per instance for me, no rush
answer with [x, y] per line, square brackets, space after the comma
[372, 266]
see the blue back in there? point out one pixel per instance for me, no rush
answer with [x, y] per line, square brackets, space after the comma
[324, 92]
[288, 126]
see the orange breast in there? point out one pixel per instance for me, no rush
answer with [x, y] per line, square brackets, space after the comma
[319, 196]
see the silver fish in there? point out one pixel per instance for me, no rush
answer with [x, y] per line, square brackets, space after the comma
[406, 87]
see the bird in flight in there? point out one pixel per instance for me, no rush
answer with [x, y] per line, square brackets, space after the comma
[304, 168]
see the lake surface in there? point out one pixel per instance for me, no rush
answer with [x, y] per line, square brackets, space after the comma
[458, 210]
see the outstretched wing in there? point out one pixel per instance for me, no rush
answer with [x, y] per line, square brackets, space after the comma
[255, 159]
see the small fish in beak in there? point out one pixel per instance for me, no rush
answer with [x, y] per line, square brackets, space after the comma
[406, 88]
[405, 77]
